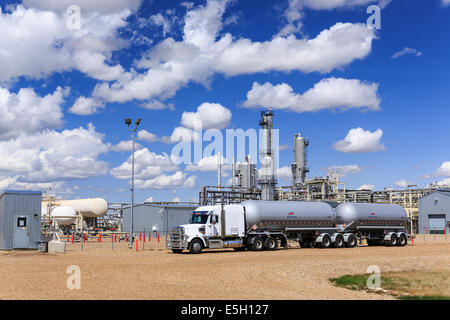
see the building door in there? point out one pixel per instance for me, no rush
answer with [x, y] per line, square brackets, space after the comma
[437, 223]
[21, 232]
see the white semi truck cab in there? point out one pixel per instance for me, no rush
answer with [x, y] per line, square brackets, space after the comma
[206, 229]
[264, 225]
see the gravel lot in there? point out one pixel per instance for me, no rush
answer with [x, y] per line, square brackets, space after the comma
[156, 273]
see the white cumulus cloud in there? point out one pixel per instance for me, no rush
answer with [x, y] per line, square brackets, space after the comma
[442, 171]
[207, 116]
[53, 156]
[343, 171]
[86, 106]
[203, 52]
[330, 93]
[125, 146]
[367, 187]
[163, 181]
[208, 164]
[144, 135]
[25, 112]
[359, 140]
[403, 183]
[148, 165]
[40, 29]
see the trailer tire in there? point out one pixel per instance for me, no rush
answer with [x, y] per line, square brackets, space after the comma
[326, 242]
[339, 242]
[177, 250]
[392, 242]
[270, 243]
[351, 241]
[257, 244]
[196, 246]
[402, 241]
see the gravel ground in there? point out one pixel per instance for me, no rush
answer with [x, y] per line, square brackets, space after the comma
[156, 273]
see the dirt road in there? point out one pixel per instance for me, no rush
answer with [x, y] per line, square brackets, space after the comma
[156, 273]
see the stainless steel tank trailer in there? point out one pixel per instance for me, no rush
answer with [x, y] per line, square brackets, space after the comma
[264, 225]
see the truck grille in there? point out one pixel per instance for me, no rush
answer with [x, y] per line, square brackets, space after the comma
[177, 240]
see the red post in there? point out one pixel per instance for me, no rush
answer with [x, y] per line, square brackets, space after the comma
[72, 238]
[115, 237]
[68, 237]
[84, 237]
[144, 237]
[100, 237]
[140, 236]
[149, 237]
[137, 247]
[158, 236]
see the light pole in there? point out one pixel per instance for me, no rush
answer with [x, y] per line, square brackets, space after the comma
[128, 123]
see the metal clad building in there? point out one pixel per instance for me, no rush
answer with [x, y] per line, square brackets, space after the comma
[20, 219]
[434, 212]
[157, 217]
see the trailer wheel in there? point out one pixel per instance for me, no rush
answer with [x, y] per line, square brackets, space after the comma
[196, 246]
[402, 241]
[270, 244]
[392, 242]
[326, 242]
[257, 244]
[351, 241]
[339, 242]
[177, 250]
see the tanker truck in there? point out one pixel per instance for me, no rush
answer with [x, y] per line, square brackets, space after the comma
[258, 225]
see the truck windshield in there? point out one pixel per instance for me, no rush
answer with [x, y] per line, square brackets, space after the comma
[199, 217]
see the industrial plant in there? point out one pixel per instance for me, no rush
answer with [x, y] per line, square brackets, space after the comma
[82, 218]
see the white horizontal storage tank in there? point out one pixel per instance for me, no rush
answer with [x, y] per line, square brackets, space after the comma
[370, 214]
[89, 208]
[280, 214]
[64, 215]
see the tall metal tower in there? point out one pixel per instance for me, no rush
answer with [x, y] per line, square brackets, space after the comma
[299, 168]
[267, 178]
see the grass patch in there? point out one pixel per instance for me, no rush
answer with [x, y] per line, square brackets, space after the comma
[405, 285]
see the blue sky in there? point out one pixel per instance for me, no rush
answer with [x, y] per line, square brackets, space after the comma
[372, 102]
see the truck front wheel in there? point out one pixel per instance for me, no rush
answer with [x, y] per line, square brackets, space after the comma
[196, 246]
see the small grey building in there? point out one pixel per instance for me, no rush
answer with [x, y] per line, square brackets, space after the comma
[154, 217]
[20, 219]
[434, 212]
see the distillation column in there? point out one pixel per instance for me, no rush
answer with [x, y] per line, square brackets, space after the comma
[267, 178]
[299, 168]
